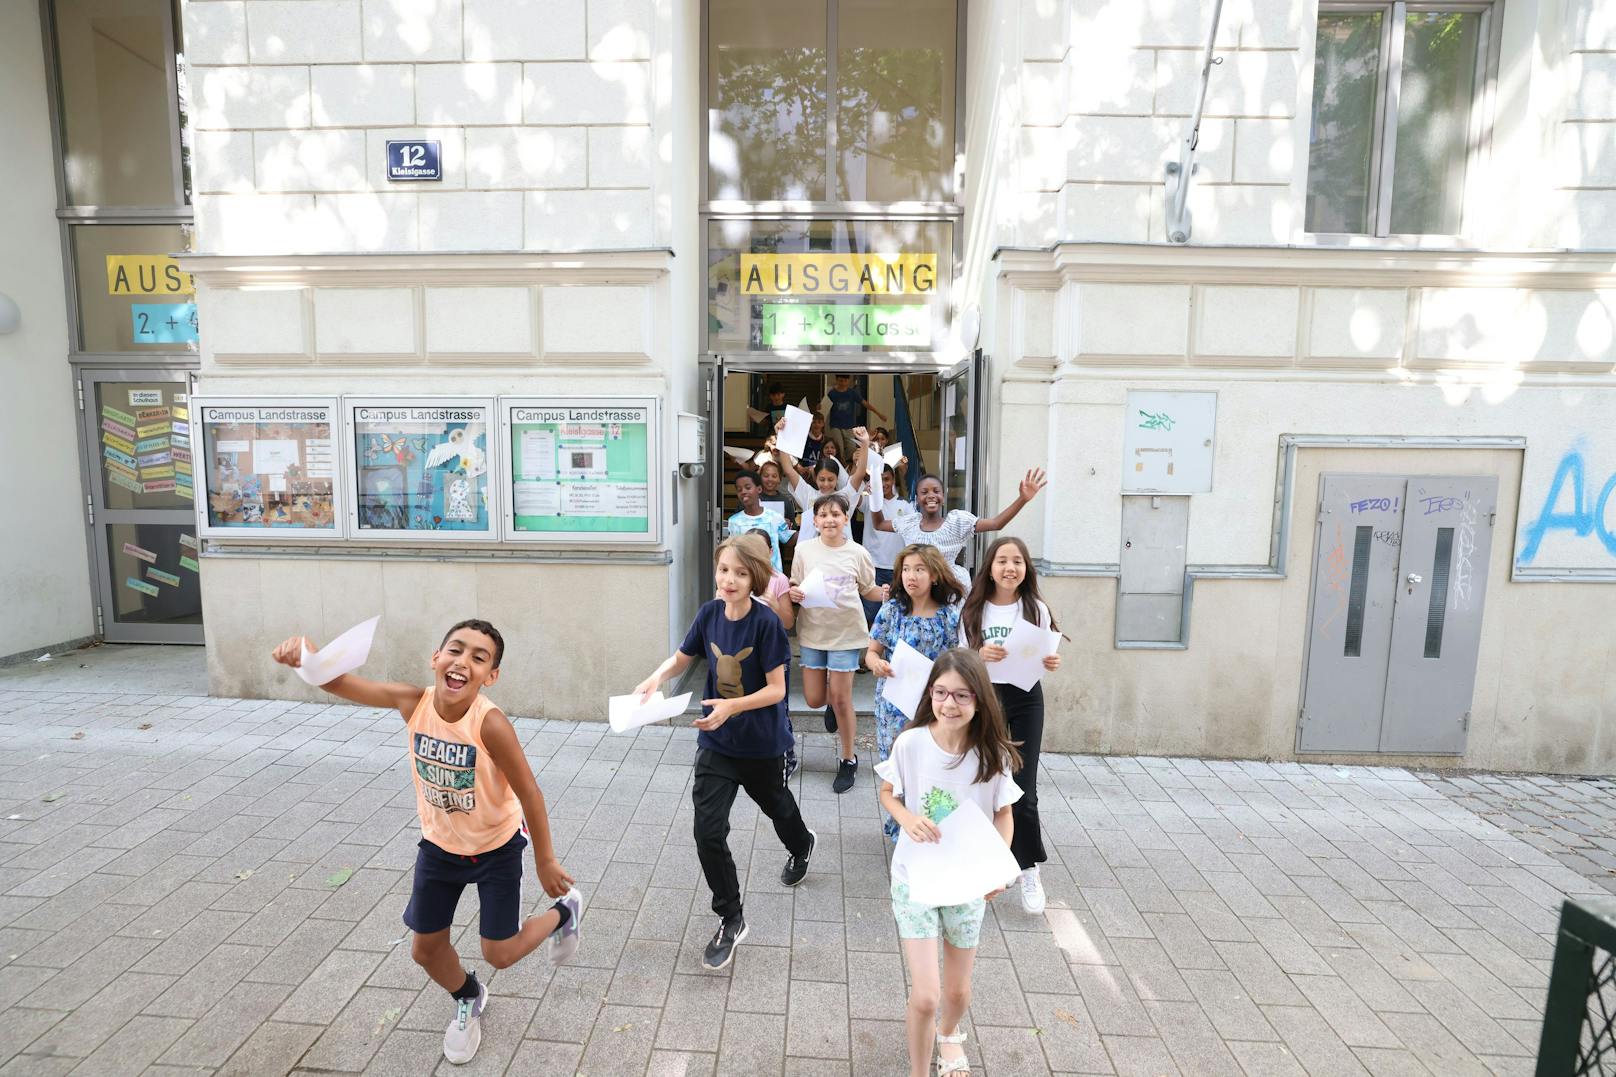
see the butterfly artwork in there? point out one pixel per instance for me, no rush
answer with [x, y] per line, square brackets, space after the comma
[386, 444]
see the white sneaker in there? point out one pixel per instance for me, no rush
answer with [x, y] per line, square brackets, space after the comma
[564, 943]
[465, 1032]
[1032, 891]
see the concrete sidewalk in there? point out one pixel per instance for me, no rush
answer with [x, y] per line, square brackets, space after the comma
[195, 885]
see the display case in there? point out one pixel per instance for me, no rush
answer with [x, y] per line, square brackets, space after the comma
[420, 469]
[583, 471]
[268, 467]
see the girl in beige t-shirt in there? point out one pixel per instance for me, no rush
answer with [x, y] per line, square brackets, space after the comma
[833, 637]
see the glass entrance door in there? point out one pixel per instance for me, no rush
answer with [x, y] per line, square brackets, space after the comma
[137, 439]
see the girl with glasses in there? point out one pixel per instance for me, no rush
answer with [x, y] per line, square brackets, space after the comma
[955, 750]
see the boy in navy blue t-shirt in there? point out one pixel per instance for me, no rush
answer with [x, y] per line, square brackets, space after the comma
[744, 729]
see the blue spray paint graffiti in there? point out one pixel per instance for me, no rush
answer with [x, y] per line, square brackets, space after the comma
[1586, 516]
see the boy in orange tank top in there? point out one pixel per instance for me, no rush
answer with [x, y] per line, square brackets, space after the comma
[478, 804]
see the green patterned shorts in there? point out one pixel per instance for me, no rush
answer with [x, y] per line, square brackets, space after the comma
[960, 925]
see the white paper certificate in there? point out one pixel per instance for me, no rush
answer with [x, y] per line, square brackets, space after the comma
[910, 669]
[794, 438]
[815, 595]
[342, 655]
[272, 456]
[971, 860]
[626, 712]
[1025, 647]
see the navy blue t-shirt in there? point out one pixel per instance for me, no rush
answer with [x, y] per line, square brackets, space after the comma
[739, 656]
[844, 406]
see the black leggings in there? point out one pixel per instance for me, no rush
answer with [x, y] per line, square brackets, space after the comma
[1024, 714]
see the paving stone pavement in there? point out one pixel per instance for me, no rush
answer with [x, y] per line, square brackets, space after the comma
[174, 899]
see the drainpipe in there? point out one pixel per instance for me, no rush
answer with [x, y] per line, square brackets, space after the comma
[1180, 171]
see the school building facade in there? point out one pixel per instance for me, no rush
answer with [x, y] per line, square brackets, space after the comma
[322, 309]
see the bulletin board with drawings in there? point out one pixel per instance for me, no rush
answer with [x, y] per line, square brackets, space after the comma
[421, 469]
[268, 467]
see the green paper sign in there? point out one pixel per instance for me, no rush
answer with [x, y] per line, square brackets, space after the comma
[821, 325]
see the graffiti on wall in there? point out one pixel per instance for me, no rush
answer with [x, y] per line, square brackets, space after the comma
[1579, 505]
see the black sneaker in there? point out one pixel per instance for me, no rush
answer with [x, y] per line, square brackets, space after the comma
[830, 720]
[797, 866]
[721, 950]
[846, 772]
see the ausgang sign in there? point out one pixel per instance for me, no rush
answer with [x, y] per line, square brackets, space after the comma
[838, 274]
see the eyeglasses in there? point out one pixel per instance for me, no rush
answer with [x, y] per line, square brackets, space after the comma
[963, 697]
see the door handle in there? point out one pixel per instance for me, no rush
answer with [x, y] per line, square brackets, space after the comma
[1414, 579]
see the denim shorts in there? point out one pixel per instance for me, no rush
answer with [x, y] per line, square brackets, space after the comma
[836, 661]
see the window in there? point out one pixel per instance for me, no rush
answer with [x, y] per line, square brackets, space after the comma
[835, 101]
[1398, 116]
[121, 89]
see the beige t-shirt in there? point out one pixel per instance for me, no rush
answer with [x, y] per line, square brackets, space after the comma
[848, 570]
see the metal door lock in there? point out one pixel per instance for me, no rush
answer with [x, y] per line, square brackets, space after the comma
[1414, 579]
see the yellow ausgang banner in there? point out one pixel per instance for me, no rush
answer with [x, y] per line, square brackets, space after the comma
[838, 274]
[147, 274]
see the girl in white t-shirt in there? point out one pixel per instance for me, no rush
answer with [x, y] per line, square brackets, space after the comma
[1005, 591]
[957, 749]
[951, 531]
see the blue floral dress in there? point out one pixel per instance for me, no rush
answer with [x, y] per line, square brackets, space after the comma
[931, 636]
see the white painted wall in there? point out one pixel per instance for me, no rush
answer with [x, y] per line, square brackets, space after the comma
[44, 573]
[544, 109]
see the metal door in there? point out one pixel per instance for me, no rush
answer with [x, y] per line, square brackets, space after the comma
[1436, 632]
[712, 395]
[1350, 625]
[960, 446]
[137, 439]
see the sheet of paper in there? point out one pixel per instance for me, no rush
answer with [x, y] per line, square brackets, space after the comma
[892, 454]
[910, 669]
[272, 456]
[874, 466]
[626, 712]
[342, 655]
[815, 595]
[794, 438]
[755, 415]
[776, 507]
[959, 454]
[740, 456]
[1026, 647]
[971, 860]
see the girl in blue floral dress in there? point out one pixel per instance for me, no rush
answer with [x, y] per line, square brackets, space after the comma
[924, 612]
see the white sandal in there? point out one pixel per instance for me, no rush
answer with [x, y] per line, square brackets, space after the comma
[953, 1065]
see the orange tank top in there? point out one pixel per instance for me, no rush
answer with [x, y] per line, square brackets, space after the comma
[466, 805]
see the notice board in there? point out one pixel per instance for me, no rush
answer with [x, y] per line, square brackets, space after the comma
[581, 469]
[419, 468]
[268, 467]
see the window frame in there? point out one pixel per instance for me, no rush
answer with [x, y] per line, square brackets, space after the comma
[70, 216]
[950, 211]
[1383, 139]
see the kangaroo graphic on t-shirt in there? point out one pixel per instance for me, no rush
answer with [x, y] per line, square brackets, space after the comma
[727, 671]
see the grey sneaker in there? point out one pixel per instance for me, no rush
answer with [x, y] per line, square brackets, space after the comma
[564, 943]
[721, 950]
[465, 1033]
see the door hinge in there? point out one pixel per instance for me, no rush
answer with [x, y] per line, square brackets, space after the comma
[89, 508]
[100, 622]
[80, 386]
[1301, 716]
[1464, 723]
